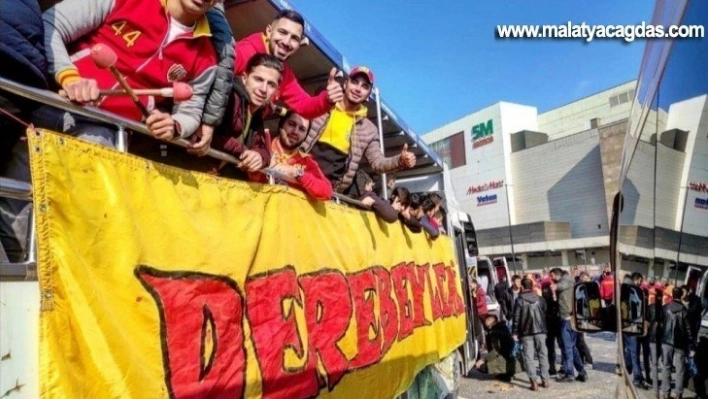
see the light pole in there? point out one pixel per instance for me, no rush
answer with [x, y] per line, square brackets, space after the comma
[683, 218]
[511, 235]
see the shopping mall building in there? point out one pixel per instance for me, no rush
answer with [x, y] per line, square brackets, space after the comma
[542, 185]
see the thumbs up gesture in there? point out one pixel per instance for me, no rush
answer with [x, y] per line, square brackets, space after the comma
[335, 93]
[407, 158]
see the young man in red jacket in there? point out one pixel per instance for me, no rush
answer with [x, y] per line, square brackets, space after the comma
[300, 168]
[157, 43]
[282, 38]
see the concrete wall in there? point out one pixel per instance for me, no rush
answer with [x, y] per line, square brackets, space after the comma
[638, 189]
[562, 182]
[575, 117]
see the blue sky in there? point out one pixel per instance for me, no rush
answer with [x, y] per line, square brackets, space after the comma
[437, 61]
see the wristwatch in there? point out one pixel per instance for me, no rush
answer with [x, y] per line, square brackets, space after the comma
[299, 172]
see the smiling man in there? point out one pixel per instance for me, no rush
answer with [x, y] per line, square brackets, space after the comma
[299, 168]
[340, 139]
[282, 39]
[243, 134]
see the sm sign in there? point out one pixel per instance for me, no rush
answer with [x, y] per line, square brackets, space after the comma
[482, 134]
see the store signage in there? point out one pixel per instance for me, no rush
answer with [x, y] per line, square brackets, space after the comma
[486, 199]
[482, 134]
[701, 203]
[492, 185]
[700, 187]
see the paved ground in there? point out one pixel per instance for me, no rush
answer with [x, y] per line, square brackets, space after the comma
[601, 383]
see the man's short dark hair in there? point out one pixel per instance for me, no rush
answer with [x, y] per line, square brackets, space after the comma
[677, 293]
[515, 277]
[266, 60]
[416, 200]
[557, 271]
[428, 205]
[402, 194]
[527, 283]
[435, 197]
[291, 15]
[637, 276]
[287, 116]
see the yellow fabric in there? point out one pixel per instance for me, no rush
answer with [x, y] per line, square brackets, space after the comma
[68, 75]
[340, 126]
[105, 219]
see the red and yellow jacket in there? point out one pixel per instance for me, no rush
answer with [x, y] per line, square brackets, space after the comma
[290, 91]
[136, 30]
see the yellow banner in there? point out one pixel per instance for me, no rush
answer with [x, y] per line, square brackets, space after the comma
[157, 282]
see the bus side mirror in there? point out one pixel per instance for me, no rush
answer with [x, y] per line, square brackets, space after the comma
[633, 310]
[587, 308]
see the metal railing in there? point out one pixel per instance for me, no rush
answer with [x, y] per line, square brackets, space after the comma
[14, 189]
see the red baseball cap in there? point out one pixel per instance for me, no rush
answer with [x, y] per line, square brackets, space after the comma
[364, 71]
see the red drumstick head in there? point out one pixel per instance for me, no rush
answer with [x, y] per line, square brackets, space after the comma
[103, 56]
[181, 91]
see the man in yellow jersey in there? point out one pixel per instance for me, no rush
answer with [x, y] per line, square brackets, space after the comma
[339, 139]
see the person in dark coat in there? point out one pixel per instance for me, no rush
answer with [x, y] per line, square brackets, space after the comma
[553, 325]
[501, 292]
[363, 190]
[675, 341]
[22, 60]
[530, 329]
[22, 56]
[500, 346]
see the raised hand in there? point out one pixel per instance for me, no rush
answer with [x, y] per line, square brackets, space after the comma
[335, 93]
[407, 159]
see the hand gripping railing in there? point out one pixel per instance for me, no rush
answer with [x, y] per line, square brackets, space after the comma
[23, 191]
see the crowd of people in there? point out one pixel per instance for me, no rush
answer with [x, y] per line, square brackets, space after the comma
[237, 87]
[674, 315]
[535, 316]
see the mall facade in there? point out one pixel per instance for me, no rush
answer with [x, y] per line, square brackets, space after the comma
[541, 185]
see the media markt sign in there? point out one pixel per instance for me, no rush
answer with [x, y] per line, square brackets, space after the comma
[482, 134]
[492, 185]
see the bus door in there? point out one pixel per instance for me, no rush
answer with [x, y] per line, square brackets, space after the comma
[468, 350]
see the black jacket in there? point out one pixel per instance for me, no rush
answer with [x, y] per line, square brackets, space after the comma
[22, 57]
[499, 339]
[552, 309]
[653, 317]
[675, 327]
[529, 315]
[695, 313]
[501, 292]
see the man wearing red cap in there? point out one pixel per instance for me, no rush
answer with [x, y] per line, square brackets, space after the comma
[339, 139]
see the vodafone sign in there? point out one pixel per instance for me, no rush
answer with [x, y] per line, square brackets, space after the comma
[492, 185]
